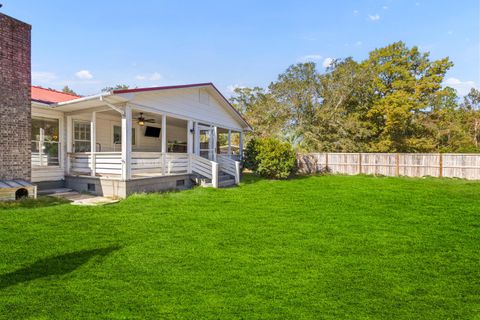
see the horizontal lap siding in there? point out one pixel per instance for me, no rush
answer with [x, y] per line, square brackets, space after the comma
[188, 105]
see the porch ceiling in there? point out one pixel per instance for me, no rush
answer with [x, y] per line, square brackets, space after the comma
[88, 103]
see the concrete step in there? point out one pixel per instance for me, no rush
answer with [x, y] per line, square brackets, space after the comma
[226, 183]
[56, 191]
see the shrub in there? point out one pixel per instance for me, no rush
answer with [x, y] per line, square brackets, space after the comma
[270, 158]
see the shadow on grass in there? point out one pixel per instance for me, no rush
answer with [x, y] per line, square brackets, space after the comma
[42, 201]
[53, 266]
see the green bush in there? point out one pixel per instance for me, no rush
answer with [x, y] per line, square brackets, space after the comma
[270, 158]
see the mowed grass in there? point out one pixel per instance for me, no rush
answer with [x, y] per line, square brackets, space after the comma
[327, 247]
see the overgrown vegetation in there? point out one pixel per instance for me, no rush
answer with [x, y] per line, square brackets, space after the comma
[393, 101]
[41, 201]
[333, 247]
[270, 158]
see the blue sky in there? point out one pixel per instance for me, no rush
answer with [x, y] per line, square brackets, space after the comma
[88, 45]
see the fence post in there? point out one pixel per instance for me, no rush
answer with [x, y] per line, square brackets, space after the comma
[359, 163]
[397, 164]
[326, 161]
[440, 159]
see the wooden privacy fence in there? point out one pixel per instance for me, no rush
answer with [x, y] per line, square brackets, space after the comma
[451, 165]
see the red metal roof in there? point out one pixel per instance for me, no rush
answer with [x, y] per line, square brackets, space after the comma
[51, 96]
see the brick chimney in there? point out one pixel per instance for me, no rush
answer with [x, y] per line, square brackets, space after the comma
[15, 105]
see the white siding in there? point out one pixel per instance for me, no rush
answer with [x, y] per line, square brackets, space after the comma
[190, 104]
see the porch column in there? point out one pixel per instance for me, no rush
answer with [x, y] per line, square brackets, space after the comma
[93, 144]
[126, 142]
[197, 139]
[69, 142]
[214, 142]
[240, 146]
[164, 141]
[189, 136]
[229, 152]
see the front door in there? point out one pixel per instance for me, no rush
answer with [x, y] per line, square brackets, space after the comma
[206, 141]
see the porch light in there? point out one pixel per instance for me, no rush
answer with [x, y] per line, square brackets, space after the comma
[141, 122]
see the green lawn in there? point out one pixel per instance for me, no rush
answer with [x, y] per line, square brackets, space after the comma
[320, 247]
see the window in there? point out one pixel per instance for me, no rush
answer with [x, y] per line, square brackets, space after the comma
[81, 136]
[45, 142]
[117, 135]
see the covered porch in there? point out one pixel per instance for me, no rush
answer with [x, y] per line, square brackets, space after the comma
[128, 142]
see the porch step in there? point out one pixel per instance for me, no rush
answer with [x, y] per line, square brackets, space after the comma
[56, 191]
[224, 180]
[226, 183]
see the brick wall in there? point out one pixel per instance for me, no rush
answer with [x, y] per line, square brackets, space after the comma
[15, 105]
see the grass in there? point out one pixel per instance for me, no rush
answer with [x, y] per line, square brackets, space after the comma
[41, 201]
[325, 247]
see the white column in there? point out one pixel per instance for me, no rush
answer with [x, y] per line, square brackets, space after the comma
[189, 136]
[93, 144]
[126, 142]
[69, 143]
[41, 144]
[197, 139]
[214, 142]
[229, 152]
[215, 174]
[164, 142]
[164, 133]
[240, 146]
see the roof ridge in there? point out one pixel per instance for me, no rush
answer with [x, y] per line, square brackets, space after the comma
[53, 90]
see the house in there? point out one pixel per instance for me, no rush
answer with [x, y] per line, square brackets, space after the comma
[114, 143]
[144, 139]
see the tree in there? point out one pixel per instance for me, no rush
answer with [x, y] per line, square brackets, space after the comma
[261, 110]
[405, 85]
[393, 101]
[471, 107]
[116, 87]
[66, 89]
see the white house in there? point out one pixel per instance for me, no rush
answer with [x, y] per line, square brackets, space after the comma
[136, 140]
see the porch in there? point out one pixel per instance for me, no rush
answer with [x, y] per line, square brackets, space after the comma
[138, 144]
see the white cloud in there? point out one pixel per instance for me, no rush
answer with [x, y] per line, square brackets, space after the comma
[327, 62]
[358, 43]
[43, 77]
[355, 12]
[462, 87]
[375, 17]
[155, 76]
[310, 58]
[231, 88]
[84, 75]
[152, 77]
[385, 7]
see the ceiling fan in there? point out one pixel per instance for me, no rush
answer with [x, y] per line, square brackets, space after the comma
[141, 120]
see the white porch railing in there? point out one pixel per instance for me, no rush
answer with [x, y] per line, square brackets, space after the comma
[159, 163]
[142, 163]
[205, 167]
[230, 166]
[148, 164]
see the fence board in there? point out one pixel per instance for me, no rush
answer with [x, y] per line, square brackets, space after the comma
[452, 165]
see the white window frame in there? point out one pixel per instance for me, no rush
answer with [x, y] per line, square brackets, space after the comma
[134, 135]
[74, 139]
